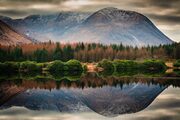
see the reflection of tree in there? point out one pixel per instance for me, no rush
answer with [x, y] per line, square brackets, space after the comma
[89, 80]
[69, 75]
[177, 71]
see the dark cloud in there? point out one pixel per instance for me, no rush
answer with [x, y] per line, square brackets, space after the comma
[32, 1]
[13, 13]
[161, 5]
[164, 3]
[165, 18]
[158, 3]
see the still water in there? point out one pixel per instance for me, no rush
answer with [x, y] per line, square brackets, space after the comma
[90, 97]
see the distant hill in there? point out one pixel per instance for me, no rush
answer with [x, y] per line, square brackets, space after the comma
[107, 26]
[8, 36]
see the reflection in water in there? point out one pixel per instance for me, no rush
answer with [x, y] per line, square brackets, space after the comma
[109, 96]
[108, 101]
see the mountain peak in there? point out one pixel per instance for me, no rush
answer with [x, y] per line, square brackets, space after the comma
[109, 9]
[112, 14]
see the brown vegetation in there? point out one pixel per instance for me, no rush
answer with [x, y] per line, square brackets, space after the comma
[92, 52]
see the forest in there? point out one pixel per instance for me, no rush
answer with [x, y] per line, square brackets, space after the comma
[71, 60]
[86, 52]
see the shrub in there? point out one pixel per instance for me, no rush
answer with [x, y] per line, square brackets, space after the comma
[2, 67]
[74, 65]
[9, 67]
[107, 66]
[30, 66]
[65, 67]
[66, 74]
[177, 63]
[153, 65]
[56, 66]
[125, 65]
[60, 67]
[42, 65]
[177, 72]
[85, 68]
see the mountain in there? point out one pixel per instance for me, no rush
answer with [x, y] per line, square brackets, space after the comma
[46, 27]
[107, 26]
[111, 25]
[9, 36]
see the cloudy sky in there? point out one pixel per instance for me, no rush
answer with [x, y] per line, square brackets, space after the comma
[165, 14]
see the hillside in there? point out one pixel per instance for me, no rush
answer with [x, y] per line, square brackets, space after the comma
[8, 36]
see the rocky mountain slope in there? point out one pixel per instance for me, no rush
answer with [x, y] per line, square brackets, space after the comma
[46, 27]
[9, 36]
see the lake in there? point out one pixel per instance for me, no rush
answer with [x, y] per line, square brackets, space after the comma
[90, 96]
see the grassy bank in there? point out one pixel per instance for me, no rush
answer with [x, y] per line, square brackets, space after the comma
[119, 67]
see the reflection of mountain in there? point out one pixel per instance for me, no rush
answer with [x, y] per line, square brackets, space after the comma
[7, 92]
[107, 101]
[112, 101]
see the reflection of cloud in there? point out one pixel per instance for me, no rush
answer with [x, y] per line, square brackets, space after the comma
[160, 109]
[47, 115]
[168, 97]
[161, 11]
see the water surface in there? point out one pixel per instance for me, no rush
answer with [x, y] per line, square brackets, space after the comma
[90, 97]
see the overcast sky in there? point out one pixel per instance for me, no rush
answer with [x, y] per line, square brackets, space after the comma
[165, 14]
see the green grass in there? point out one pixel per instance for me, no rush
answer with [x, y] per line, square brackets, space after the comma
[60, 69]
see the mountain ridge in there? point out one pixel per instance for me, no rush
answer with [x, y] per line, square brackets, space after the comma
[111, 13]
[107, 26]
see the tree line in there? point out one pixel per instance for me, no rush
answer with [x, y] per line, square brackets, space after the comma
[86, 52]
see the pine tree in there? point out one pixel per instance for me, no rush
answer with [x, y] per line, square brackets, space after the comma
[68, 53]
[58, 53]
[41, 55]
[17, 54]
